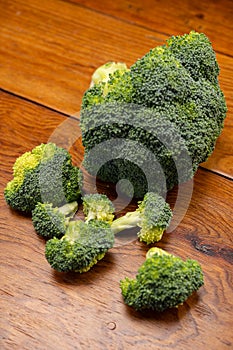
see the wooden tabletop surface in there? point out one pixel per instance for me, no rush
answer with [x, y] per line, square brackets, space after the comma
[49, 49]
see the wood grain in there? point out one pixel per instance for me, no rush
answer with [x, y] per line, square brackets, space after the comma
[48, 52]
[43, 309]
[178, 17]
[55, 69]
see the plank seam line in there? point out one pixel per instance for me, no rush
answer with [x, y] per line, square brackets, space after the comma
[38, 104]
[227, 177]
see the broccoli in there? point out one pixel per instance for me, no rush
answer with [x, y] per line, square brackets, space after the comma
[102, 74]
[45, 174]
[169, 103]
[98, 207]
[153, 216]
[82, 246]
[52, 222]
[110, 82]
[163, 281]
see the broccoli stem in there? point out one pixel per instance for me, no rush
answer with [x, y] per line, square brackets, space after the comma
[69, 209]
[72, 232]
[154, 250]
[129, 220]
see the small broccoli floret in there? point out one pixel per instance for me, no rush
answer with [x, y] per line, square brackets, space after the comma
[45, 174]
[98, 207]
[82, 246]
[50, 221]
[163, 281]
[153, 216]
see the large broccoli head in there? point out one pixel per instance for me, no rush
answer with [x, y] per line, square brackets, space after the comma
[45, 174]
[170, 95]
[163, 281]
[82, 246]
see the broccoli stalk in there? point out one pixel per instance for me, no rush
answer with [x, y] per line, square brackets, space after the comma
[98, 207]
[52, 222]
[163, 281]
[82, 246]
[153, 216]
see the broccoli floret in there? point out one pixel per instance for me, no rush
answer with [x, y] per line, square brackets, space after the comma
[102, 74]
[163, 281]
[173, 107]
[195, 53]
[110, 82]
[153, 216]
[98, 207]
[50, 221]
[45, 174]
[82, 246]
[158, 78]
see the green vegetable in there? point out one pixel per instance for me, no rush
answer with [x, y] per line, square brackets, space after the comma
[52, 222]
[163, 281]
[82, 246]
[98, 207]
[159, 118]
[45, 174]
[153, 216]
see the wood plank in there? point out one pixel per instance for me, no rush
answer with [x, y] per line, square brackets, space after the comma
[42, 309]
[174, 17]
[55, 69]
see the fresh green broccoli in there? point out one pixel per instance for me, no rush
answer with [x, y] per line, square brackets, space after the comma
[45, 174]
[82, 246]
[110, 82]
[102, 74]
[50, 221]
[98, 207]
[163, 281]
[153, 216]
[171, 105]
[195, 53]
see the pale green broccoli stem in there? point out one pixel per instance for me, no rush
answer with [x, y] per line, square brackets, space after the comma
[154, 250]
[69, 210]
[72, 232]
[129, 220]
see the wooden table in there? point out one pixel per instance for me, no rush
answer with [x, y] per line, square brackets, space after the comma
[49, 49]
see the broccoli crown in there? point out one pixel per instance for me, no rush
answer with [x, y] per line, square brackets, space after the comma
[45, 174]
[195, 53]
[50, 221]
[158, 78]
[82, 246]
[169, 101]
[163, 281]
[98, 207]
[153, 216]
